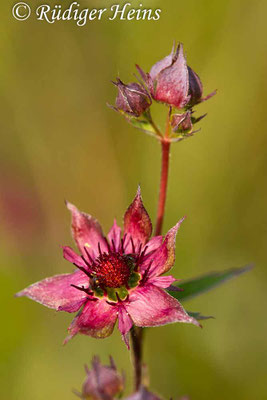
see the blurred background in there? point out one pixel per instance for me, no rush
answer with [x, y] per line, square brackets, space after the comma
[60, 141]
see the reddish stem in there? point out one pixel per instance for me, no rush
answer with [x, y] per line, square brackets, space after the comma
[137, 351]
[165, 157]
[137, 332]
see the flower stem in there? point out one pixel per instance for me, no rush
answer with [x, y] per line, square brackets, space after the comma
[165, 158]
[137, 332]
[137, 351]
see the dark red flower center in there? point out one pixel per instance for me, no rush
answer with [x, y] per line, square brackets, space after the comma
[112, 270]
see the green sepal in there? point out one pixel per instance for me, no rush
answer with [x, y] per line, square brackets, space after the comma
[111, 292]
[114, 294]
[98, 292]
[122, 292]
[134, 279]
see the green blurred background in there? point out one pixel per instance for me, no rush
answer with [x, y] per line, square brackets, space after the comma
[60, 141]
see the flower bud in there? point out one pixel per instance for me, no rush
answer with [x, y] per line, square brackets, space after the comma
[173, 82]
[182, 122]
[168, 79]
[143, 394]
[132, 99]
[102, 382]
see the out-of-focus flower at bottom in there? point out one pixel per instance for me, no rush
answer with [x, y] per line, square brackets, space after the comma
[103, 382]
[143, 394]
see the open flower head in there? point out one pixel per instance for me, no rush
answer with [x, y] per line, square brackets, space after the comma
[118, 277]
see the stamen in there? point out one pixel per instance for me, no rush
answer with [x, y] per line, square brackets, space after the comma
[139, 249]
[146, 273]
[88, 255]
[108, 245]
[142, 255]
[84, 270]
[110, 303]
[99, 249]
[83, 289]
[122, 244]
[118, 297]
[133, 246]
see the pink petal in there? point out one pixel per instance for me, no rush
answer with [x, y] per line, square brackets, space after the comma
[72, 257]
[173, 83]
[153, 243]
[160, 65]
[152, 306]
[86, 232]
[55, 292]
[163, 258]
[162, 281]
[97, 319]
[125, 324]
[137, 224]
[114, 236]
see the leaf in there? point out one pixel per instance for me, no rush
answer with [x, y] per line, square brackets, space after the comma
[198, 316]
[196, 286]
[143, 125]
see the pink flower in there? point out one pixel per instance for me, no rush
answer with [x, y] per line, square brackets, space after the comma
[118, 278]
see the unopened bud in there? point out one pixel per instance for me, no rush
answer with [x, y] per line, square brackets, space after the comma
[132, 99]
[182, 122]
[103, 382]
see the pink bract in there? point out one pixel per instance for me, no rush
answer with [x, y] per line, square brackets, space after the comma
[119, 277]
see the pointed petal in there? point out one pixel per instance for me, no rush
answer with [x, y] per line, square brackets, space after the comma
[152, 306]
[163, 258]
[137, 223]
[195, 87]
[97, 319]
[162, 281]
[160, 65]
[114, 236]
[146, 78]
[173, 83]
[125, 324]
[86, 232]
[209, 96]
[55, 292]
[72, 257]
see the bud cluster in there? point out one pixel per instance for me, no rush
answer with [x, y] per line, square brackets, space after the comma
[171, 82]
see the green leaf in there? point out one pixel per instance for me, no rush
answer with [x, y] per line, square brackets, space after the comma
[196, 286]
[144, 125]
[198, 316]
